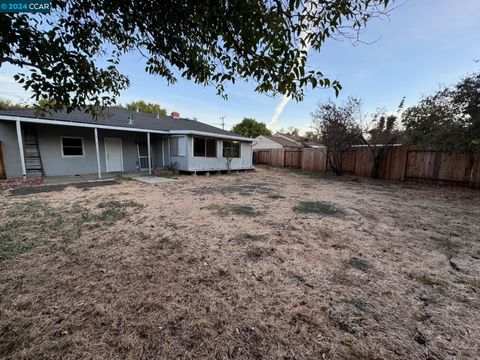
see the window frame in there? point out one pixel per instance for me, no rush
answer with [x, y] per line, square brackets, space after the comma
[179, 153]
[205, 140]
[232, 142]
[76, 147]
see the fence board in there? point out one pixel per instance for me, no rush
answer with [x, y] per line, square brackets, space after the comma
[420, 164]
[293, 158]
[403, 163]
[314, 159]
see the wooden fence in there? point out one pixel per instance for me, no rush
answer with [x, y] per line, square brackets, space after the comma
[403, 163]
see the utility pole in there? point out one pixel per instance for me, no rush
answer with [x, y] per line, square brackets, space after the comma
[223, 122]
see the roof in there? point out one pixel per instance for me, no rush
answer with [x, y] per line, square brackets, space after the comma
[288, 136]
[117, 117]
[283, 142]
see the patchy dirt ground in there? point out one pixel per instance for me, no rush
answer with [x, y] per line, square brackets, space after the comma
[274, 264]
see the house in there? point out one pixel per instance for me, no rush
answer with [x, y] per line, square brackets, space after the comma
[122, 141]
[274, 142]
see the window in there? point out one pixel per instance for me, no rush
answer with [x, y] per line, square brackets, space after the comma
[177, 146]
[198, 146]
[231, 149]
[72, 147]
[204, 147]
[211, 148]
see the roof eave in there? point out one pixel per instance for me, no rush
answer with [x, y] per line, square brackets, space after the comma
[120, 128]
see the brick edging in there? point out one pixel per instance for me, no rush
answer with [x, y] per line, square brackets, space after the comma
[20, 181]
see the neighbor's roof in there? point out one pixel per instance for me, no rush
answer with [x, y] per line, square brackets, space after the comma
[284, 142]
[119, 118]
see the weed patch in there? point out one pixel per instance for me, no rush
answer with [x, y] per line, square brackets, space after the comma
[247, 238]
[427, 280]
[317, 207]
[234, 209]
[116, 210]
[255, 254]
[165, 243]
[359, 264]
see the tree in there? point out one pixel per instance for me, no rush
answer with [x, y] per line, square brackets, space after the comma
[291, 131]
[338, 128]
[381, 137]
[312, 136]
[448, 119]
[142, 106]
[251, 128]
[10, 105]
[72, 56]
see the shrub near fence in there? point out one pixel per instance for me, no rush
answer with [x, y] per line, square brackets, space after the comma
[403, 163]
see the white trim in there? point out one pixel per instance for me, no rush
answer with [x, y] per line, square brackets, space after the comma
[149, 154]
[76, 124]
[72, 156]
[207, 134]
[121, 152]
[20, 148]
[92, 126]
[97, 152]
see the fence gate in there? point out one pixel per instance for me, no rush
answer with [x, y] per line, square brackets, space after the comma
[293, 158]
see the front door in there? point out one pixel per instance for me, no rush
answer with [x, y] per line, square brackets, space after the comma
[113, 154]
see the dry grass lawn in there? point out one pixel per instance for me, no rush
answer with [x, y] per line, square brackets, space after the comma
[272, 264]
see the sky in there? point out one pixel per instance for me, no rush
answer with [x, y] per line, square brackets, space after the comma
[422, 44]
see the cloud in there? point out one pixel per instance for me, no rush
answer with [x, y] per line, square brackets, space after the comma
[11, 90]
[279, 110]
[285, 99]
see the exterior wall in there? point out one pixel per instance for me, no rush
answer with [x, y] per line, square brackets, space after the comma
[11, 154]
[54, 164]
[180, 161]
[200, 163]
[265, 143]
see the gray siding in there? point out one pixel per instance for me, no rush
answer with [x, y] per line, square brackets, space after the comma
[54, 164]
[196, 163]
[11, 154]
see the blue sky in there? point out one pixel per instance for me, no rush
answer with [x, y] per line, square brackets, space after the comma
[423, 44]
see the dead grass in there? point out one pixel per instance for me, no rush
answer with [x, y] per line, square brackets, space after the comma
[223, 267]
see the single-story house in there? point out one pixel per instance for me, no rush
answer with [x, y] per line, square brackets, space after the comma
[274, 142]
[280, 140]
[74, 143]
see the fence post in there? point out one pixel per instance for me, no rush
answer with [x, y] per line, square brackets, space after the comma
[475, 173]
[404, 159]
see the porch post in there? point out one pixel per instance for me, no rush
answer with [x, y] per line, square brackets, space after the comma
[97, 150]
[149, 154]
[20, 149]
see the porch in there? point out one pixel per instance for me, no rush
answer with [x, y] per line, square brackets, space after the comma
[60, 153]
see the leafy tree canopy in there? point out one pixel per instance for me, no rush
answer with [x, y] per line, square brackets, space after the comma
[71, 56]
[338, 128]
[145, 107]
[10, 105]
[251, 128]
[449, 119]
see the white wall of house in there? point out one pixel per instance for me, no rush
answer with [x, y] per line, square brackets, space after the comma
[56, 163]
[263, 142]
[204, 163]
